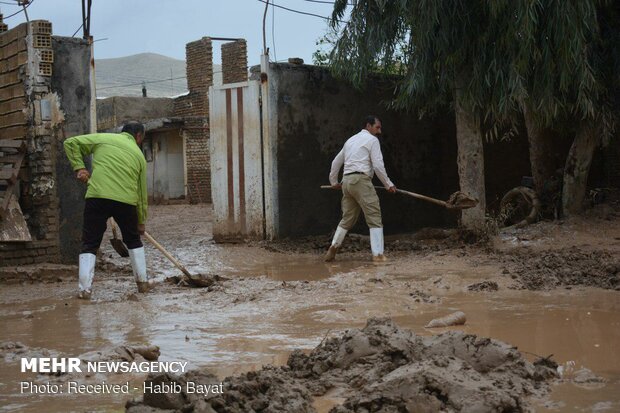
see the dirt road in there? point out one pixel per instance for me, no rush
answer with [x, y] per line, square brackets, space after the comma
[551, 288]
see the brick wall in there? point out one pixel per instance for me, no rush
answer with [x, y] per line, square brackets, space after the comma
[25, 70]
[235, 62]
[194, 109]
[199, 67]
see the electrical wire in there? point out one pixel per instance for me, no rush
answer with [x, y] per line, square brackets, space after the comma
[302, 12]
[20, 11]
[326, 2]
[78, 29]
[273, 38]
[150, 81]
[140, 83]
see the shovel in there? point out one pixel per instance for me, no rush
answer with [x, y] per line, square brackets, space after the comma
[197, 280]
[457, 200]
[118, 244]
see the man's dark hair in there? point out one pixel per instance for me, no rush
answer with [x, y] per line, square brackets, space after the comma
[133, 128]
[371, 119]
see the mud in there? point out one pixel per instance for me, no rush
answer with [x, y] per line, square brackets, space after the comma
[268, 303]
[544, 270]
[380, 368]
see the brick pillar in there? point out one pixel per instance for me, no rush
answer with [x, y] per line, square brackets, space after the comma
[25, 87]
[194, 109]
[199, 68]
[3, 26]
[235, 62]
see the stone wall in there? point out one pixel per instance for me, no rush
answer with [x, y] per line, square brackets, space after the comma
[234, 62]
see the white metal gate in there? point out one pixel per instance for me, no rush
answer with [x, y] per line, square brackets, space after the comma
[236, 164]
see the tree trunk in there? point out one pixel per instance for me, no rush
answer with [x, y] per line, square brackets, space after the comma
[541, 150]
[470, 165]
[577, 168]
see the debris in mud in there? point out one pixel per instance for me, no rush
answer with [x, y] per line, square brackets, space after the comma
[483, 286]
[582, 377]
[196, 281]
[378, 368]
[566, 267]
[422, 297]
[108, 265]
[455, 319]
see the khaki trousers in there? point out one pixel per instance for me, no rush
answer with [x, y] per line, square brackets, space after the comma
[358, 194]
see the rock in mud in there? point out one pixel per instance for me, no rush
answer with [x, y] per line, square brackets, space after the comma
[455, 319]
[382, 368]
[483, 286]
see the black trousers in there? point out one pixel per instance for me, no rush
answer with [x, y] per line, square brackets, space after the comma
[96, 214]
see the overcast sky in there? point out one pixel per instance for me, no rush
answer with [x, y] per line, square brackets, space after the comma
[165, 26]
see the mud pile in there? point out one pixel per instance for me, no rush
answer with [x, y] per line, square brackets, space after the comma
[380, 368]
[543, 270]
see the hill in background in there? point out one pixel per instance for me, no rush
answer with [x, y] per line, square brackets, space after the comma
[163, 76]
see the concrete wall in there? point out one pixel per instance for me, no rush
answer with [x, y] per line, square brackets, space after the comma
[317, 113]
[117, 110]
[71, 82]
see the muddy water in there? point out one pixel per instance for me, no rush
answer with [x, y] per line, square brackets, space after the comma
[256, 319]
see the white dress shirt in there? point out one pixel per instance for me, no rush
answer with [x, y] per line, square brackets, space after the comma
[361, 153]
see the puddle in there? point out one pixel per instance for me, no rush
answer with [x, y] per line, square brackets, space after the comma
[283, 268]
[582, 326]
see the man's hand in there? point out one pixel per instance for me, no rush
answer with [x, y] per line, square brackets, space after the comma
[337, 186]
[392, 189]
[83, 175]
[141, 229]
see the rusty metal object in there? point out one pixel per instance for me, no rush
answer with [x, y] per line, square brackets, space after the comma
[520, 207]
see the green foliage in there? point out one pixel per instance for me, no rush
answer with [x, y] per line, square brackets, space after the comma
[558, 58]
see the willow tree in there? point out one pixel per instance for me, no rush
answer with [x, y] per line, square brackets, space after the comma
[568, 58]
[449, 53]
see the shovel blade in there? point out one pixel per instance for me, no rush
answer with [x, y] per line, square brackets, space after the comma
[459, 200]
[119, 247]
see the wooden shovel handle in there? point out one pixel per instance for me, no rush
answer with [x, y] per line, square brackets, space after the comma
[423, 197]
[413, 194]
[166, 253]
[113, 224]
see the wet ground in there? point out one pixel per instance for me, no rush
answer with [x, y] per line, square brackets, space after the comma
[279, 298]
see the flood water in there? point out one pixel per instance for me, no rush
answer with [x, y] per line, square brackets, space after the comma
[250, 325]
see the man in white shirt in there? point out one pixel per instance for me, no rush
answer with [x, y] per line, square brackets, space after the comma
[362, 158]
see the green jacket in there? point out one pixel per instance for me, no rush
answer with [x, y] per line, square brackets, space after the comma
[119, 168]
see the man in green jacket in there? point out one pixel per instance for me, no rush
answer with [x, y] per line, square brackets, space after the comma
[116, 188]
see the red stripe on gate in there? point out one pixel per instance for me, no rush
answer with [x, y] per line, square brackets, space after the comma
[229, 164]
[242, 212]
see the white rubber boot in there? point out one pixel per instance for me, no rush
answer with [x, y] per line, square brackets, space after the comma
[336, 242]
[138, 265]
[86, 275]
[376, 244]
